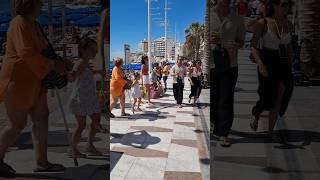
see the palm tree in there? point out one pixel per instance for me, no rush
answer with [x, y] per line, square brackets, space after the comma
[207, 55]
[194, 36]
[308, 28]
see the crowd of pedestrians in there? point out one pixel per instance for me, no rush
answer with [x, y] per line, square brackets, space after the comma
[153, 84]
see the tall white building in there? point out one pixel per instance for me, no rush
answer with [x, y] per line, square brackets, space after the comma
[158, 47]
[178, 49]
[127, 54]
[143, 46]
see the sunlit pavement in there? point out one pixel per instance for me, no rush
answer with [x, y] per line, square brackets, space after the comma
[163, 141]
[252, 156]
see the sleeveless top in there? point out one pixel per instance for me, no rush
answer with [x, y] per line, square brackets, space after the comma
[165, 70]
[272, 41]
[145, 70]
[195, 72]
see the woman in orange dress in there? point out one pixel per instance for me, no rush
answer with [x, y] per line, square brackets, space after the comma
[23, 69]
[116, 85]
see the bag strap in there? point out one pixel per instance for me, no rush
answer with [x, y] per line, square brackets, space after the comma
[50, 46]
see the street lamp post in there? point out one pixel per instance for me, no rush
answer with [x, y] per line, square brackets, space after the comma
[149, 36]
[165, 30]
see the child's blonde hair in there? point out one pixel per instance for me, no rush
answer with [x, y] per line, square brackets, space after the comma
[84, 43]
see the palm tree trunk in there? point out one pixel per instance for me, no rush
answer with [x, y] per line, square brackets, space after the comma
[196, 49]
[207, 55]
[308, 26]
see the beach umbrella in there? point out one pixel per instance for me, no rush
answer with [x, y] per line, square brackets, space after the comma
[6, 13]
[43, 20]
[74, 17]
[3, 30]
[67, 11]
[55, 13]
[5, 19]
[80, 11]
[95, 9]
[89, 21]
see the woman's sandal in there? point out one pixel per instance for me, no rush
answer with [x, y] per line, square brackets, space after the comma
[125, 114]
[224, 142]
[111, 115]
[91, 151]
[50, 168]
[254, 123]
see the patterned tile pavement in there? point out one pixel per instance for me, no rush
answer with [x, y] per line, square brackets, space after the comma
[162, 142]
[252, 156]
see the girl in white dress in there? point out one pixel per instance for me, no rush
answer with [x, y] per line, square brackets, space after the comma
[84, 101]
[136, 92]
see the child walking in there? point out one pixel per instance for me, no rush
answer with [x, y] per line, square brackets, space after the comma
[136, 92]
[84, 101]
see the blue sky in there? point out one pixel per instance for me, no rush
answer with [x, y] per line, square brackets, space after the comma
[128, 20]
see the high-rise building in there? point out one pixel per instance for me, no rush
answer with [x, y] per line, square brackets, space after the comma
[158, 47]
[127, 54]
[143, 46]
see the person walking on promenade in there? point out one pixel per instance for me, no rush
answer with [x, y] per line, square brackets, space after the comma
[117, 86]
[136, 92]
[165, 73]
[145, 76]
[84, 101]
[159, 72]
[178, 72]
[227, 36]
[195, 75]
[274, 63]
[23, 69]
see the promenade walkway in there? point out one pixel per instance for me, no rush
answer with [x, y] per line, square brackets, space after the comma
[252, 156]
[163, 141]
[21, 154]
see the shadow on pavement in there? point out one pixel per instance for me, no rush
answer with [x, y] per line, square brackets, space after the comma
[286, 136]
[150, 115]
[114, 159]
[86, 172]
[138, 139]
[55, 139]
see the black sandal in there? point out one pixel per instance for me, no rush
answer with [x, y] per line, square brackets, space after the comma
[125, 114]
[111, 115]
[224, 142]
[50, 168]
